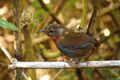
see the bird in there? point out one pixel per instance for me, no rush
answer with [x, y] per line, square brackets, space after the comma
[74, 44]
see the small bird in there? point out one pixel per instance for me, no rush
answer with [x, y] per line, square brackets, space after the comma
[73, 44]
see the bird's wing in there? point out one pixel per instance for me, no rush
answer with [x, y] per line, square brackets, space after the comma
[81, 45]
[80, 40]
[76, 44]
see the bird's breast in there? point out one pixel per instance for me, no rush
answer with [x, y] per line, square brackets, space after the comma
[55, 39]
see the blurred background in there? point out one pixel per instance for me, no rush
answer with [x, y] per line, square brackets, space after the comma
[27, 44]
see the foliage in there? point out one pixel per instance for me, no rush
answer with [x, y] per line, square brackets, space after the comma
[8, 25]
[35, 46]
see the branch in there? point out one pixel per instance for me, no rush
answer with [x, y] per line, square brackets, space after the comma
[93, 18]
[56, 9]
[6, 53]
[35, 65]
[84, 13]
[17, 64]
[57, 74]
[108, 9]
[17, 22]
[117, 31]
[47, 10]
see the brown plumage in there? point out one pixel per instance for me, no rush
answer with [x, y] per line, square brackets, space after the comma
[73, 44]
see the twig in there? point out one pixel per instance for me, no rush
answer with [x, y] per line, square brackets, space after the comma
[116, 74]
[29, 54]
[108, 9]
[47, 10]
[91, 26]
[25, 76]
[35, 65]
[17, 10]
[17, 14]
[57, 8]
[111, 35]
[98, 72]
[57, 74]
[84, 13]
[113, 14]
[93, 18]
[7, 53]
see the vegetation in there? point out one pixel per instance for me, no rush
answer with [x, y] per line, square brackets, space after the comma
[21, 21]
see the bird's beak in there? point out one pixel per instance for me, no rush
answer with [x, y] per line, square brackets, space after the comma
[44, 31]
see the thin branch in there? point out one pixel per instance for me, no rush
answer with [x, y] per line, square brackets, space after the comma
[98, 72]
[28, 54]
[25, 76]
[17, 10]
[56, 9]
[47, 65]
[117, 31]
[84, 13]
[113, 13]
[93, 18]
[57, 74]
[108, 9]
[17, 14]
[47, 10]
[6, 53]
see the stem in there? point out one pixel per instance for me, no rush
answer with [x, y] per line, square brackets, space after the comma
[18, 51]
[47, 10]
[84, 13]
[57, 8]
[47, 65]
[91, 25]
[29, 54]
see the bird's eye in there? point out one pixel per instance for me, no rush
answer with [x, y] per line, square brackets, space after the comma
[51, 30]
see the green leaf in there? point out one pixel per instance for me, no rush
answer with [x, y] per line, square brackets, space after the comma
[8, 25]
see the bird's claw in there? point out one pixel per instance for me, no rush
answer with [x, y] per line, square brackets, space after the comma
[73, 62]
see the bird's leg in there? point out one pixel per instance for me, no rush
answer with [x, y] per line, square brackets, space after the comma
[74, 60]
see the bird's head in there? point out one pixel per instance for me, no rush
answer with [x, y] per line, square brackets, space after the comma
[54, 30]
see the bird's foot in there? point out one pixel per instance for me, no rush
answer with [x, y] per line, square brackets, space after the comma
[73, 62]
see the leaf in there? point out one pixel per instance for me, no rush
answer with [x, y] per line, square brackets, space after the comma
[8, 25]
